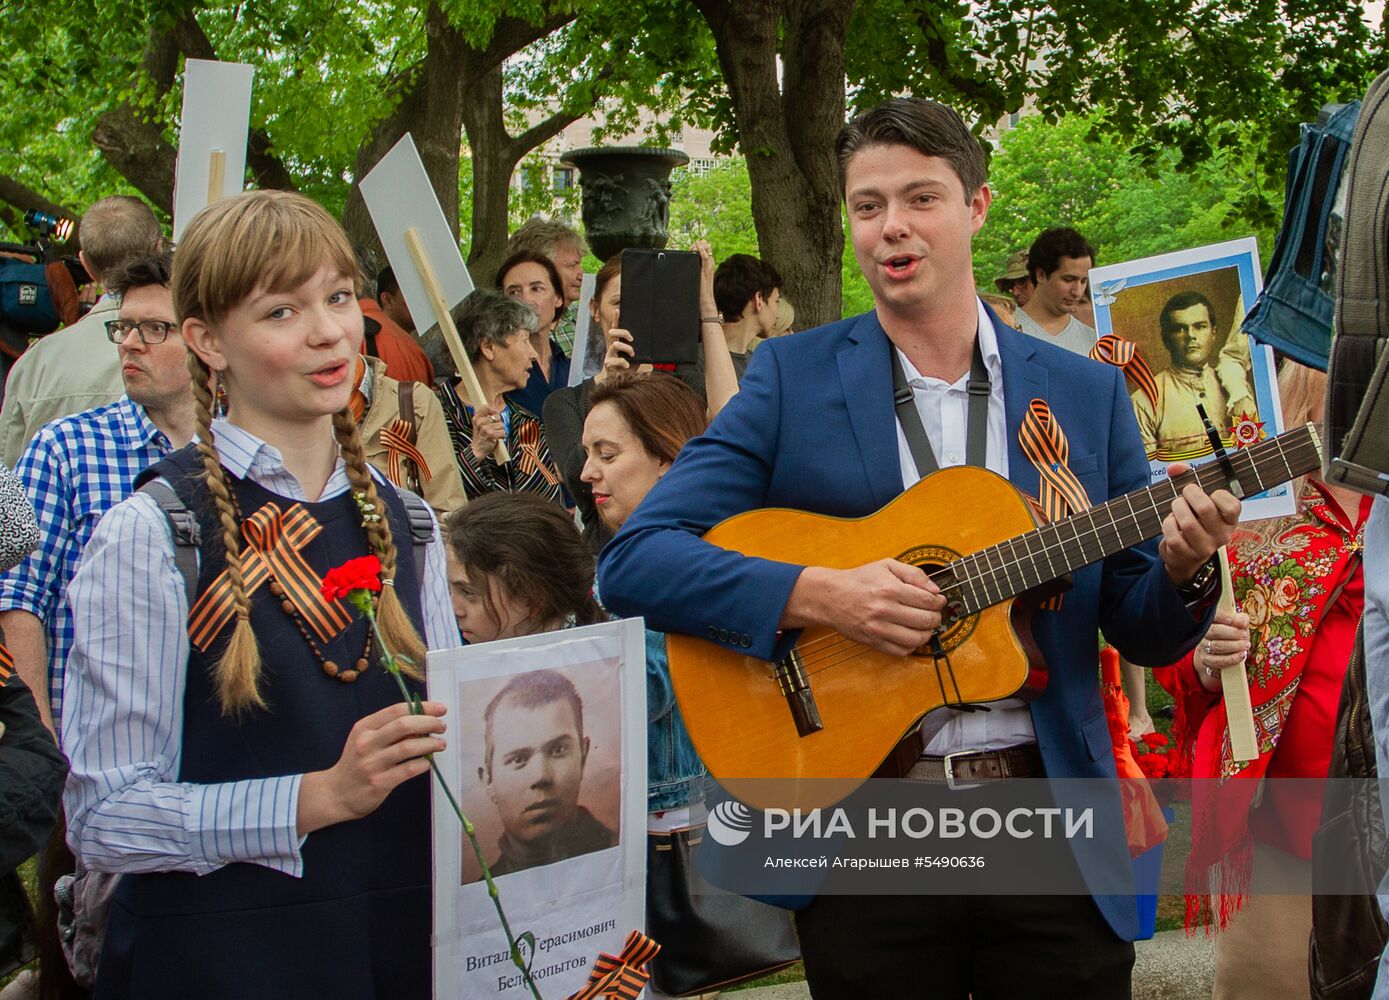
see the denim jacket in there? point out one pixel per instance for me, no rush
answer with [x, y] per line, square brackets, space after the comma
[673, 769]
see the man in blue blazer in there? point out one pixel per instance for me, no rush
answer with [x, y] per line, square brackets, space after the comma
[813, 427]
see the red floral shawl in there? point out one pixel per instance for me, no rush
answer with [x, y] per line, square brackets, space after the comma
[1284, 572]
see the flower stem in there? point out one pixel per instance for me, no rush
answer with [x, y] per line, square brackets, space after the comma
[388, 661]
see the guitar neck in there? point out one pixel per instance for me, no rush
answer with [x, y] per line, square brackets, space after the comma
[995, 574]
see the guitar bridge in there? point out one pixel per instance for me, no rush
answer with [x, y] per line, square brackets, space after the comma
[795, 688]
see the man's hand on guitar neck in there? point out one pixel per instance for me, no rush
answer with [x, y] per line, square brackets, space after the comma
[1198, 525]
[886, 605]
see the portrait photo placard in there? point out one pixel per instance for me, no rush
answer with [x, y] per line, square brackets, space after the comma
[547, 757]
[1182, 312]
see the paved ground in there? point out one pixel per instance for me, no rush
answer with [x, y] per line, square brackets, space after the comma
[1171, 966]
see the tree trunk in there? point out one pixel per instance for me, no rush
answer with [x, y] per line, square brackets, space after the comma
[495, 153]
[493, 162]
[786, 131]
[453, 77]
[135, 146]
[431, 111]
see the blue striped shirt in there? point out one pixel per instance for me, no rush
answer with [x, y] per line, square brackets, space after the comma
[74, 470]
[125, 684]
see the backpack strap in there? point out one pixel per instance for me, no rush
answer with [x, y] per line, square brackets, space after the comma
[406, 393]
[421, 527]
[186, 531]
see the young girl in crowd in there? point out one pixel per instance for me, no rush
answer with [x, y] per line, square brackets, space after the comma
[252, 770]
[517, 567]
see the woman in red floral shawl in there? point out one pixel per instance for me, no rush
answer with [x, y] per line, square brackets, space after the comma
[1299, 594]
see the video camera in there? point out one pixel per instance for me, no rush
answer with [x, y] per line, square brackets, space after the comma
[38, 287]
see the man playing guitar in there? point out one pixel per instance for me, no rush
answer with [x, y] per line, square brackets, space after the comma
[815, 428]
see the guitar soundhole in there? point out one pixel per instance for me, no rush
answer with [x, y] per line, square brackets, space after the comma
[956, 624]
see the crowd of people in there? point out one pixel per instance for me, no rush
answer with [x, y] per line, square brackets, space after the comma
[239, 778]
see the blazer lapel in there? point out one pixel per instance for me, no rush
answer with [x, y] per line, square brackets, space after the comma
[865, 372]
[1023, 381]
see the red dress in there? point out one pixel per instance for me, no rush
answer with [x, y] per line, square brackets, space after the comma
[1299, 580]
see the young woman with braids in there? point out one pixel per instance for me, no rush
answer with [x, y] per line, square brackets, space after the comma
[251, 770]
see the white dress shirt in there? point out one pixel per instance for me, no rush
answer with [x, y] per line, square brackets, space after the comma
[124, 690]
[944, 412]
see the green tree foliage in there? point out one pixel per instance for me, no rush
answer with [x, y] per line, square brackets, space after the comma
[1076, 172]
[1044, 174]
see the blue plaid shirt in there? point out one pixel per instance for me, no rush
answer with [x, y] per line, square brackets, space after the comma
[74, 470]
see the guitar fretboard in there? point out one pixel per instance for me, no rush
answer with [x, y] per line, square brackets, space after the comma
[1005, 570]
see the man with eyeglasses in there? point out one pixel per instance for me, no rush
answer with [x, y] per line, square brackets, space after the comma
[77, 468]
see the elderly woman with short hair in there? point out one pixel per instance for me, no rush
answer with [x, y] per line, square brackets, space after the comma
[496, 331]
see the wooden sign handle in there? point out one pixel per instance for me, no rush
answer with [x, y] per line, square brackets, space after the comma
[216, 176]
[1234, 681]
[450, 332]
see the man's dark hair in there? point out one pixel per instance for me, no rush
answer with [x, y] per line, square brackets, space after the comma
[930, 128]
[532, 257]
[386, 283]
[738, 279]
[1180, 301]
[141, 272]
[532, 690]
[1044, 256]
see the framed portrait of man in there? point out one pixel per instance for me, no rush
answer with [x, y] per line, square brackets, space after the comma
[1181, 312]
[547, 757]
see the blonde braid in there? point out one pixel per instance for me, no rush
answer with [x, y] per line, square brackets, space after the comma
[396, 626]
[238, 670]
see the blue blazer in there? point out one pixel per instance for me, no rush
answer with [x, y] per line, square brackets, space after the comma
[813, 428]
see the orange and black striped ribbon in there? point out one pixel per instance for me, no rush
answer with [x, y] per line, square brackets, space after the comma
[273, 543]
[1123, 354]
[6, 665]
[1046, 447]
[398, 438]
[530, 453]
[623, 977]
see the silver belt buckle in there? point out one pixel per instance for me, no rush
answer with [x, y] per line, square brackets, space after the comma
[949, 763]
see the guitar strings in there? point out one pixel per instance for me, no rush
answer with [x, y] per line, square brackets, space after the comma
[819, 650]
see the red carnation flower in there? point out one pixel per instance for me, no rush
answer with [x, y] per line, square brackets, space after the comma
[1153, 765]
[363, 573]
[1155, 740]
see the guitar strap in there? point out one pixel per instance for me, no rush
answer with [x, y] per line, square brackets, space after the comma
[977, 420]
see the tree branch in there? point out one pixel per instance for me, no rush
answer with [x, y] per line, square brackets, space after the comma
[24, 198]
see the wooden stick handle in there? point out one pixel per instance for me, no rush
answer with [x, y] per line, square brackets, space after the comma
[1239, 712]
[216, 176]
[450, 332]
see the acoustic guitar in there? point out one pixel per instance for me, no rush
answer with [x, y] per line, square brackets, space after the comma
[833, 710]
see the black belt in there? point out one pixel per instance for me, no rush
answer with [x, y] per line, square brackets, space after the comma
[965, 768]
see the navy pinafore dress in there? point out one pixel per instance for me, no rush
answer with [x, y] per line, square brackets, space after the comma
[357, 923]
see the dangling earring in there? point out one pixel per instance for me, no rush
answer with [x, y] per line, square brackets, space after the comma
[219, 397]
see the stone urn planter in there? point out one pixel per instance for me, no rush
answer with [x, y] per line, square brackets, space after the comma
[626, 195]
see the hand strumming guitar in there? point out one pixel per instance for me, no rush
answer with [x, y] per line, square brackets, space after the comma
[1198, 525]
[886, 605]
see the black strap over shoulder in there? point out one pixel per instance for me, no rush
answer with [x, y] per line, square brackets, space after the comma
[187, 533]
[976, 431]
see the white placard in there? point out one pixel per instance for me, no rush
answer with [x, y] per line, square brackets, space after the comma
[583, 318]
[216, 116]
[399, 196]
[559, 806]
[1130, 299]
